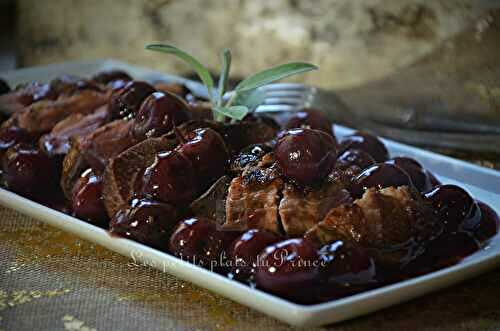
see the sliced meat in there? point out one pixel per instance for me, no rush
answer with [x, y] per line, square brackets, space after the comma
[94, 151]
[300, 210]
[17, 100]
[249, 156]
[57, 142]
[251, 206]
[105, 143]
[390, 222]
[262, 173]
[25, 95]
[73, 166]
[211, 203]
[123, 173]
[42, 116]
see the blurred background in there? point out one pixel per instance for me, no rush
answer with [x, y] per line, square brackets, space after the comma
[440, 56]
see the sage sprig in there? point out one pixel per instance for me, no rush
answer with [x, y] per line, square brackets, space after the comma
[246, 96]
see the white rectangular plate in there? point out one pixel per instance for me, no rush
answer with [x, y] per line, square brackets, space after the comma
[483, 184]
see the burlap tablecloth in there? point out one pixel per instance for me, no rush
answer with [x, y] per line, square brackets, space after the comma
[51, 280]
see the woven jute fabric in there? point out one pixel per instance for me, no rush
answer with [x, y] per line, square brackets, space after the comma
[52, 280]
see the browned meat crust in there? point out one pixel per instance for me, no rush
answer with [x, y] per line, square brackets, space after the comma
[106, 142]
[57, 142]
[17, 100]
[300, 210]
[251, 206]
[389, 221]
[94, 151]
[42, 116]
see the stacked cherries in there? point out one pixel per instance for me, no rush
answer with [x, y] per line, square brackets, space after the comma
[174, 179]
[153, 114]
[179, 175]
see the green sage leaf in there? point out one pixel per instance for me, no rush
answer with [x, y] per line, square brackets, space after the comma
[251, 99]
[234, 112]
[274, 74]
[224, 75]
[199, 68]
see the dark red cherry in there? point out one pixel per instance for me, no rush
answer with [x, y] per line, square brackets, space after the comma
[379, 176]
[146, 221]
[289, 269]
[434, 181]
[198, 241]
[310, 119]
[345, 269]
[347, 265]
[125, 102]
[354, 157]
[442, 252]
[26, 170]
[171, 178]
[245, 249]
[207, 151]
[452, 205]
[87, 199]
[489, 223]
[305, 155]
[158, 114]
[109, 76]
[4, 87]
[418, 175]
[366, 142]
[12, 135]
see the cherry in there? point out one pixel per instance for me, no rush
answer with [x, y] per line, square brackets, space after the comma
[379, 176]
[354, 157]
[109, 76]
[310, 119]
[289, 269]
[366, 142]
[171, 178]
[418, 175]
[434, 181]
[146, 221]
[488, 224]
[347, 264]
[197, 240]
[158, 114]
[305, 155]
[207, 151]
[345, 269]
[26, 170]
[245, 249]
[9, 136]
[444, 251]
[87, 199]
[4, 87]
[452, 205]
[125, 102]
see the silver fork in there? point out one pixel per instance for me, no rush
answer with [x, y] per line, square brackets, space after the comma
[402, 125]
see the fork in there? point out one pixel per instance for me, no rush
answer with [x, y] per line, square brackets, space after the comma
[427, 129]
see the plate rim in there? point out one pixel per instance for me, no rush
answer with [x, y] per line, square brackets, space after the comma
[295, 314]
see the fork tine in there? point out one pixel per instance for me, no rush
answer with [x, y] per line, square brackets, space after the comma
[277, 108]
[286, 94]
[284, 86]
[284, 101]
